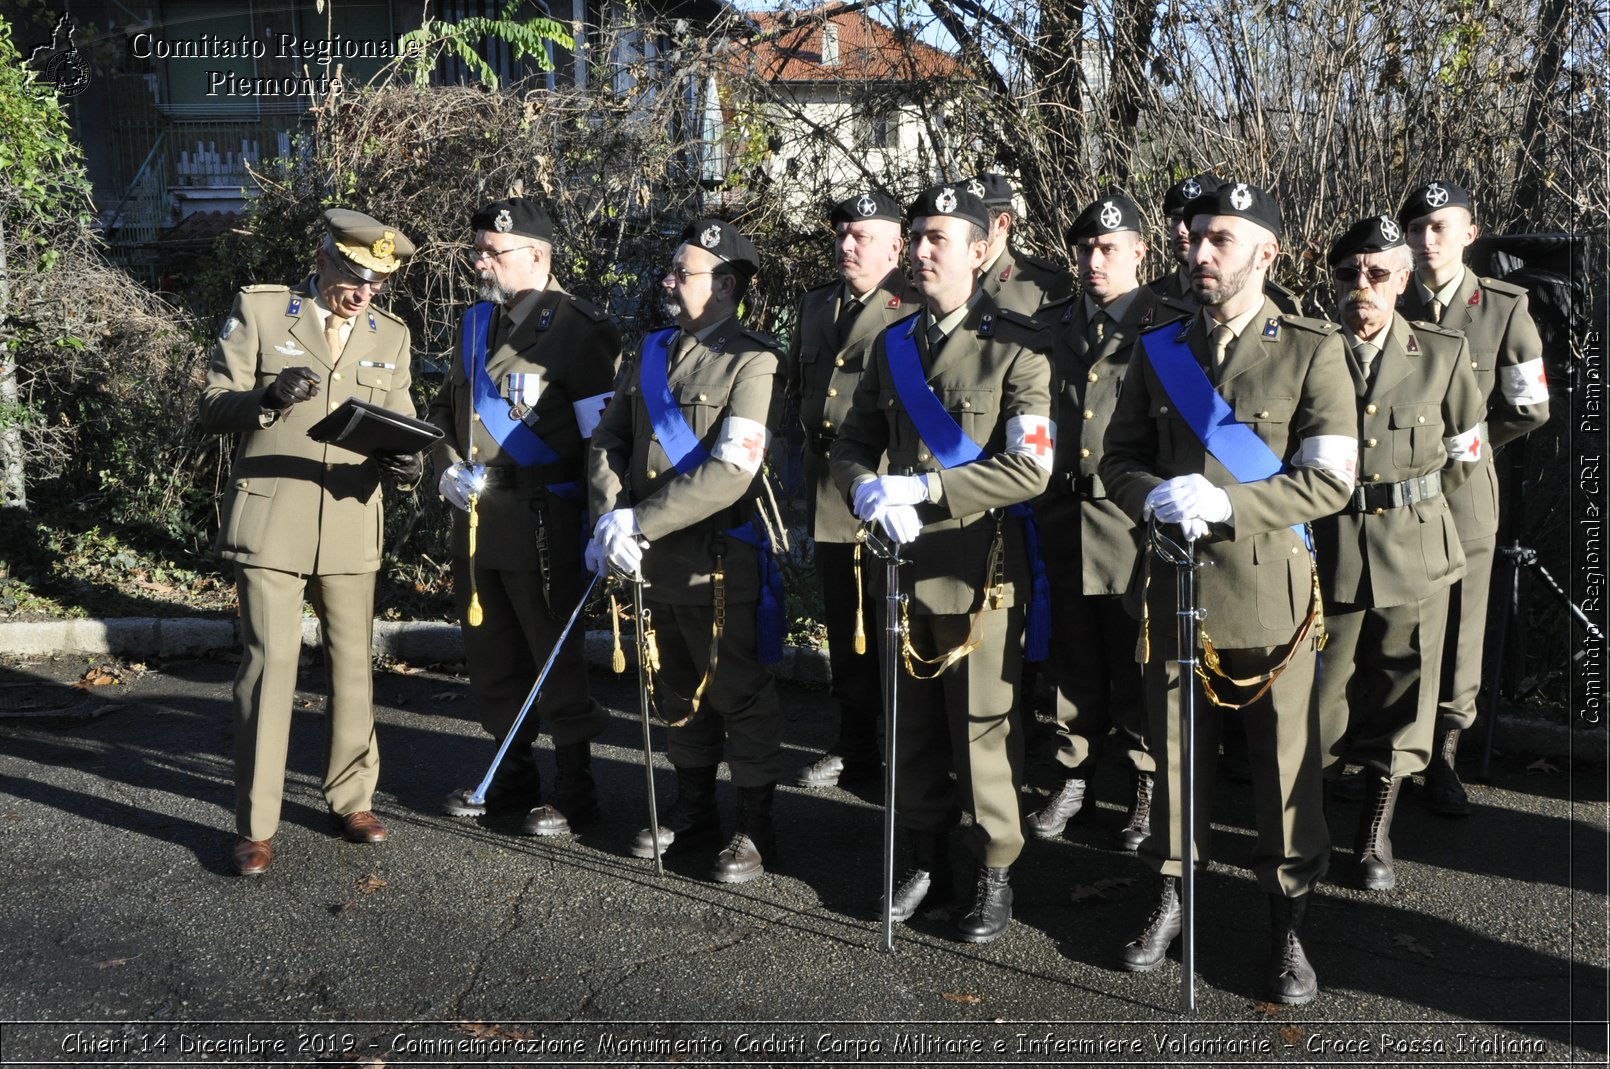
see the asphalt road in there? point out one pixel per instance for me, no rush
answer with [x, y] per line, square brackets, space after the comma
[127, 940]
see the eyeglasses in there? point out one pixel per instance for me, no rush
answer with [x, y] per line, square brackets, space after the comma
[489, 254]
[682, 274]
[1351, 274]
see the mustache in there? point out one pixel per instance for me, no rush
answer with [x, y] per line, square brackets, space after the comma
[1362, 298]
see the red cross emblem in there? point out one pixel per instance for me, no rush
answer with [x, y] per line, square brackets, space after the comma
[1040, 441]
[1475, 445]
[754, 446]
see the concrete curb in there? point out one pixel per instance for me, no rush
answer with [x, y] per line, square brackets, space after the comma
[427, 642]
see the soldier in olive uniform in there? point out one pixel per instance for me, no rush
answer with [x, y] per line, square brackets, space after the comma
[1387, 559]
[836, 327]
[1012, 278]
[305, 519]
[1092, 550]
[1283, 382]
[529, 381]
[956, 402]
[1506, 354]
[674, 478]
[1177, 282]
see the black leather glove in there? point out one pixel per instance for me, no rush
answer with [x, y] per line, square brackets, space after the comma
[404, 469]
[294, 384]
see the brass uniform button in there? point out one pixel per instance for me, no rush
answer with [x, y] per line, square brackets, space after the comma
[1093, 376]
[1370, 443]
[1369, 410]
[827, 424]
[1375, 476]
[1264, 414]
[1419, 419]
[1379, 512]
[838, 361]
[653, 436]
[476, 416]
[967, 404]
[335, 376]
[652, 474]
[1163, 409]
[832, 391]
[704, 397]
[1089, 414]
[1084, 454]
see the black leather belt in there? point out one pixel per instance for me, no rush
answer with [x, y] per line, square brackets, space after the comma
[1084, 487]
[1369, 497]
[819, 443]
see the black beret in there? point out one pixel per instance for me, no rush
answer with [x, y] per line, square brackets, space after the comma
[875, 204]
[1108, 215]
[1239, 199]
[995, 190]
[1186, 190]
[1378, 233]
[722, 238]
[949, 200]
[519, 215]
[1426, 199]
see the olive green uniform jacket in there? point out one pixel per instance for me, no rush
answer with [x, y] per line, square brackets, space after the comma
[1022, 283]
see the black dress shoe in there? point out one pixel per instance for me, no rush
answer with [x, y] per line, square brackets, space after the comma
[1147, 950]
[1049, 820]
[991, 911]
[740, 862]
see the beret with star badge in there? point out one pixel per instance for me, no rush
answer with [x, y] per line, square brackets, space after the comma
[1181, 193]
[1106, 215]
[1439, 193]
[721, 238]
[995, 190]
[1378, 233]
[951, 200]
[873, 204]
[521, 216]
[1240, 199]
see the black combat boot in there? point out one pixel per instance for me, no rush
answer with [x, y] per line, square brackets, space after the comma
[1444, 793]
[1049, 820]
[743, 858]
[692, 820]
[1290, 979]
[1139, 825]
[574, 801]
[1374, 842]
[991, 911]
[1147, 950]
[927, 881]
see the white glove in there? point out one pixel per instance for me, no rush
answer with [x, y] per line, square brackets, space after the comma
[1193, 529]
[1187, 497]
[899, 522]
[616, 537]
[594, 558]
[887, 490]
[459, 481]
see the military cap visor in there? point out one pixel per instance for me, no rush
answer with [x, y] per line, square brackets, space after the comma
[518, 215]
[365, 246]
[1107, 215]
[722, 240]
[1378, 233]
[949, 200]
[1433, 196]
[871, 205]
[1242, 200]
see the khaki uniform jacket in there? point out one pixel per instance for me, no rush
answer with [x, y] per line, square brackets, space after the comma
[736, 374]
[1018, 282]
[1287, 379]
[822, 375]
[993, 366]
[574, 347]
[1494, 319]
[1088, 542]
[293, 504]
[1422, 392]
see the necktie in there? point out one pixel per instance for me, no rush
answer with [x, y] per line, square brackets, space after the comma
[1367, 353]
[936, 338]
[500, 329]
[684, 345]
[1436, 309]
[1220, 337]
[849, 311]
[332, 336]
[1098, 328]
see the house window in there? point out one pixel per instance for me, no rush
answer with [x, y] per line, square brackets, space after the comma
[876, 130]
[830, 45]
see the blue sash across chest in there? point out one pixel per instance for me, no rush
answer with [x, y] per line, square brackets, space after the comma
[515, 438]
[950, 446]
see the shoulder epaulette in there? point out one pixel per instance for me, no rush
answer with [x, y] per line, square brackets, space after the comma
[1040, 263]
[1022, 320]
[1425, 326]
[266, 287]
[588, 309]
[1318, 326]
[1498, 285]
[387, 313]
[766, 340]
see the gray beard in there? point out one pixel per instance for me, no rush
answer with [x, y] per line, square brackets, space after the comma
[672, 306]
[496, 292]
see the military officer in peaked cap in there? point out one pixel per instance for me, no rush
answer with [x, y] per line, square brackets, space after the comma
[836, 327]
[1177, 282]
[955, 406]
[674, 479]
[1506, 353]
[1283, 380]
[1387, 559]
[303, 519]
[1092, 550]
[1012, 278]
[530, 377]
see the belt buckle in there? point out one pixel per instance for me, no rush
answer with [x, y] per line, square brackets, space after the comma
[1359, 501]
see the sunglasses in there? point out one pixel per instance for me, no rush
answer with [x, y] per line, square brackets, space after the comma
[1350, 275]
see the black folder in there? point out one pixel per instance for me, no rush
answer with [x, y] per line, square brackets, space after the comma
[372, 430]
